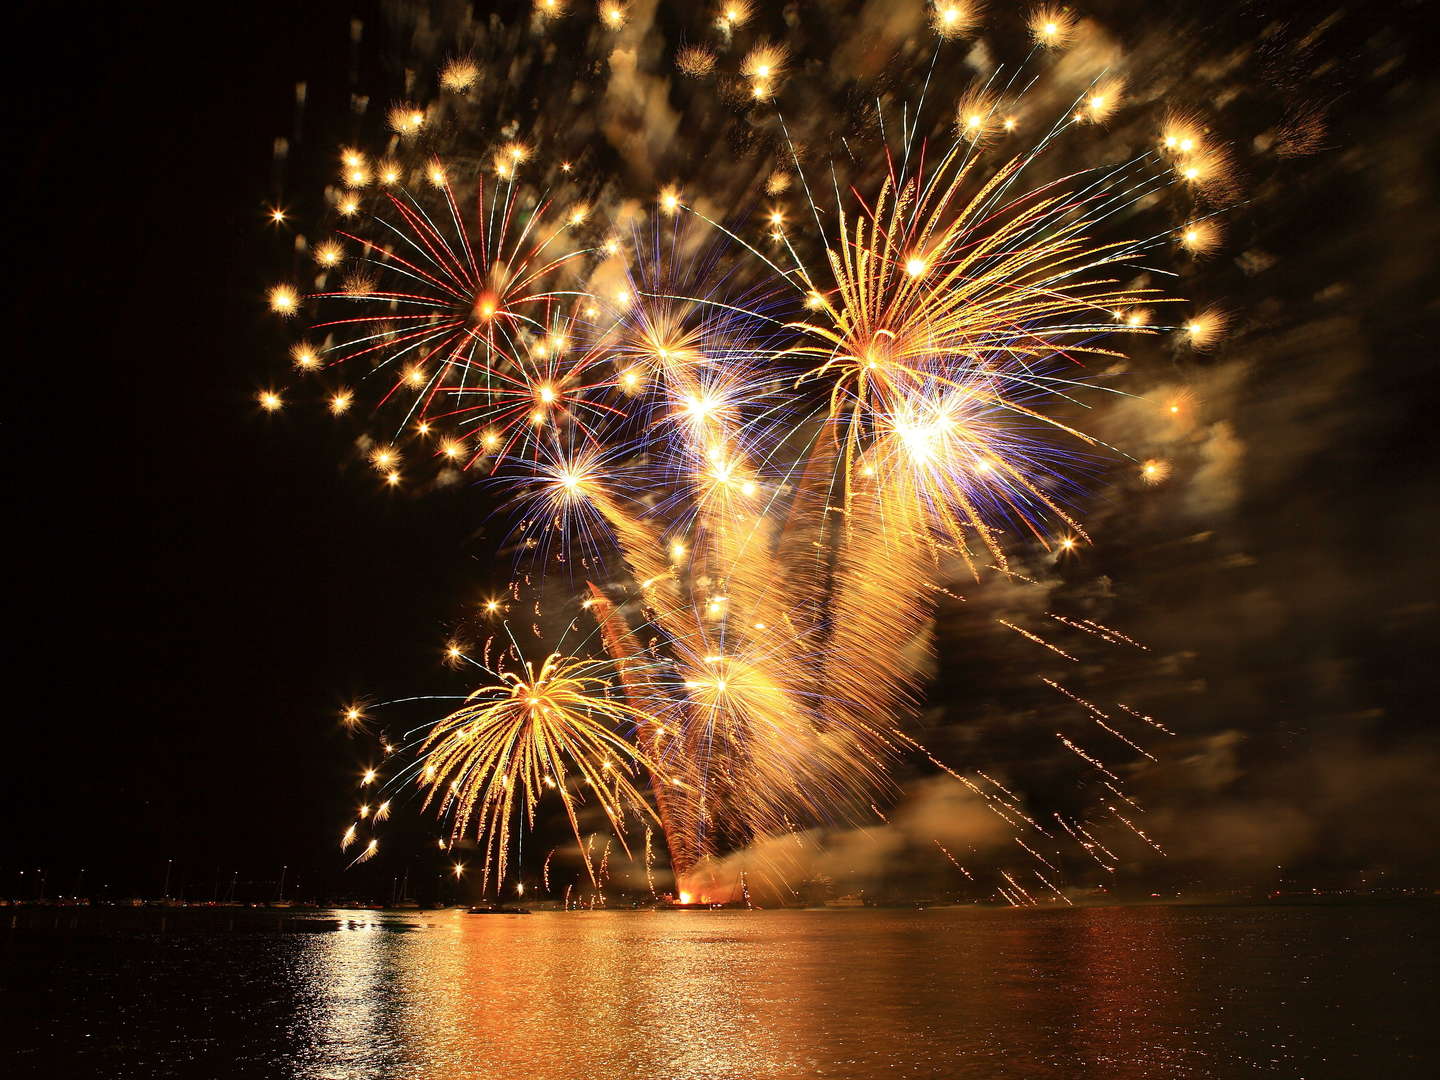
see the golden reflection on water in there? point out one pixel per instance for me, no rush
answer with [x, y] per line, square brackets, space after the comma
[591, 994]
[952, 993]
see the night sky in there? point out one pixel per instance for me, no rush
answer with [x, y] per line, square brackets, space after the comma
[202, 587]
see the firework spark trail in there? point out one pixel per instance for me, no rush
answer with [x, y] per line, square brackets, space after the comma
[1123, 796]
[1099, 717]
[1091, 837]
[1035, 638]
[953, 861]
[999, 807]
[366, 854]
[1086, 842]
[1147, 719]
[1093, 629]
[1011, 802]
[1035, 853]
[1116, 634]
[649, 863]
[1019, 889]
[1046, 882]
[1092, 761]
[1010, 573]
[1136, 830]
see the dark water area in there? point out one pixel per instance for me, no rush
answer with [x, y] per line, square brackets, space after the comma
[1332, 991]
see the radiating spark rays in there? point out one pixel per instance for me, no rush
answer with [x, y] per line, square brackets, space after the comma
[492, 758]
[467, 313]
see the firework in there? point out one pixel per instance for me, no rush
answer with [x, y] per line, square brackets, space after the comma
[459, 75]
[614, 15]
[754, 458]
[951, 19]
[555, 728]
[695, 61]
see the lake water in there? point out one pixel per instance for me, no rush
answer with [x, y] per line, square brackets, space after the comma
[947, 993]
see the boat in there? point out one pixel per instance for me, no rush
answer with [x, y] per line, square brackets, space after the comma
[851, 901]
[495, 909]
[400, 897]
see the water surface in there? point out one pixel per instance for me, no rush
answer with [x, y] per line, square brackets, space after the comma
[946, 993]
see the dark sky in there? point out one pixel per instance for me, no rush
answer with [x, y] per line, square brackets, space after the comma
[176, 536]
[198, 588]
